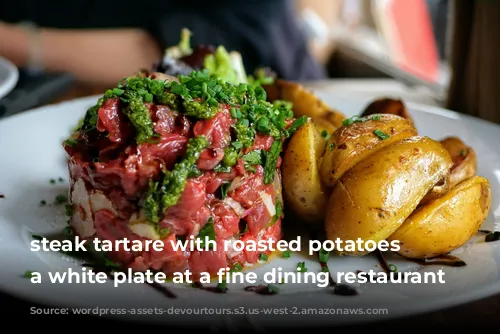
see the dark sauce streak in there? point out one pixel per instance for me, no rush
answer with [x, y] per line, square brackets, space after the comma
[2, 195]
[443, 260]
[490, 235]
[261, 290]
[386, 267]
[493, 236]
[164, 290]
[383, 261]
[215, 289]
[338, 289]
[109, 272]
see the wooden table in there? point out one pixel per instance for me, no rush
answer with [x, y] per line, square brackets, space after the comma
[479, 314]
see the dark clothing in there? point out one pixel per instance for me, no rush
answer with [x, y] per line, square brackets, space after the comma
[263, 31]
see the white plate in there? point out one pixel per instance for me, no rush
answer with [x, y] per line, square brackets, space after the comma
[8, 77]
[31, 154]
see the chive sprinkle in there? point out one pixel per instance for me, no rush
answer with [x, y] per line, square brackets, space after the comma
[381, 135]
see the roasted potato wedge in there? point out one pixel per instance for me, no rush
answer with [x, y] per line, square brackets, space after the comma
[464, 159]
[377, 195]
[322, 124]
[305, 103]
[352, 143]
[447, 222]
[387, 106]
[302, 188]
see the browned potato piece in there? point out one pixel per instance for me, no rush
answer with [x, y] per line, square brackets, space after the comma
[304, 103]
[322, 124]
[302, 188]
[387, 106]
[447, 222]
[352, 143]
[377, 195]
[464, 159]
[335, 118]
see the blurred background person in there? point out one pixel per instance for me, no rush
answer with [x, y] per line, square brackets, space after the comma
[100, 42]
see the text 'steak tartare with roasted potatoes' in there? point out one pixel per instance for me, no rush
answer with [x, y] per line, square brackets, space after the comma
[373, 177]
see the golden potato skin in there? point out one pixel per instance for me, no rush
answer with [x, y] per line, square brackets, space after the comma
[375, 197]
[302, 188]
[305, 103]
[388, 106]
[447, 222]
[352, 143]
[464, 159]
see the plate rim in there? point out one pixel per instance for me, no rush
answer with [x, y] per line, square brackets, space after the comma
[441, 304]
[12, 78]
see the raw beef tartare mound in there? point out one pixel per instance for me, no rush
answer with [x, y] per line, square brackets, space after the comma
[173, 158]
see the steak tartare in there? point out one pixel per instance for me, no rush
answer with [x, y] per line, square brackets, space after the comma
[171, 158]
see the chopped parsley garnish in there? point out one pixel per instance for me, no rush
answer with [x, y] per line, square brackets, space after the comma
[164, 232]
[222, 286]
[194, 172]
[52, 181]
[358, 119]
[352, 120]
[381, 135]
[296, 125]
[287, 254]
[325, 134]
[68, 231]
[207, 232]
[253, 158]
[60, 179]
[222, 168]
[43, 202]
[224, 188]
[273, 289]
[331, 146]
[301, 267]
[463, 152]
[263, 257]
[279, 211]
[323, 255]
[393, 268]
[237, 145]
[60, 199]
[230, 156]
[69, 210]
[70, 142]
[28, 274]
[271, 161]
[237, 267]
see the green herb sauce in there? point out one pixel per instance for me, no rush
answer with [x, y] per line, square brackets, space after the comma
[165, 192]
